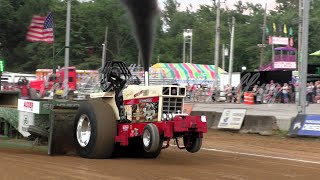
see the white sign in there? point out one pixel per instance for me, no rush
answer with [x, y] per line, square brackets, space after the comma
[311, 127]
[280, 40]
[29, 106]
[284, 65]
[25, 120]
[232, 118]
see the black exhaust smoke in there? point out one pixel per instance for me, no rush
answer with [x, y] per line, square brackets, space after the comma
[143, 13]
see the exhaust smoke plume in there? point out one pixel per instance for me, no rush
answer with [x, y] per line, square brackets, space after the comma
[143, 13]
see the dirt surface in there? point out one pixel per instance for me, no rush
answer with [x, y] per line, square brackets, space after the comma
[226, 156]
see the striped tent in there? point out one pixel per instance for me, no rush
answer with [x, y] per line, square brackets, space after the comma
[184, 71]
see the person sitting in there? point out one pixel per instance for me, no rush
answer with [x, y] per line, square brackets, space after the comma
[117, 84]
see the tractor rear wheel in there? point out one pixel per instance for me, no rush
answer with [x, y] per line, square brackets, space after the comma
[192, 143]
[95, 130]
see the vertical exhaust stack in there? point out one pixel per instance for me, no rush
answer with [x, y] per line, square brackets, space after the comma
[143, 13]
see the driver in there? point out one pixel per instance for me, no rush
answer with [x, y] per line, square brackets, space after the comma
[116, 73]
[118, 84]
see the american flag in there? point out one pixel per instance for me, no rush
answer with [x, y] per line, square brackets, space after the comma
[41, 29]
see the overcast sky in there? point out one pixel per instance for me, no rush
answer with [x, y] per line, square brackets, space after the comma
[229, 3]
[195, 3]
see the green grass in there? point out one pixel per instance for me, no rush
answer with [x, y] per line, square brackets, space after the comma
[6, 142]
[281, 133]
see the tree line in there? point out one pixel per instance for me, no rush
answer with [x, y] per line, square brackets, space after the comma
[89, 21]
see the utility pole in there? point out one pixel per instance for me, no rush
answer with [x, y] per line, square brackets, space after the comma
[187, 38]
[263, 36]
[300, 30]
[223, 57]
[304, 56]
[299, 50]
[216, 51]
[184, 49]
[191, 47]
[231, 51]
[139, 58]
[67, 50]
[104, 50]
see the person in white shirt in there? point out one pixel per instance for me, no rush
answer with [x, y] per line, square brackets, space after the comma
[310, 89]
[284, 90]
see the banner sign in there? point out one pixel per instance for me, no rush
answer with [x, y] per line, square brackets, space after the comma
[29, 106]
[37, 107]
[232, 119]
[280, 40]
[306, 125]
[284, 65]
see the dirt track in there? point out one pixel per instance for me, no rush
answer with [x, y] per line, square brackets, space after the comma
[177, 164]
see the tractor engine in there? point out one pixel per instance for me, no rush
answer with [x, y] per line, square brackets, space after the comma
[153, 103]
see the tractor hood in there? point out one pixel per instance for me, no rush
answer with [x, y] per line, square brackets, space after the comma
[136, 91]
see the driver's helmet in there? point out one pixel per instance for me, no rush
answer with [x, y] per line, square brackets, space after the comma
[116, 72]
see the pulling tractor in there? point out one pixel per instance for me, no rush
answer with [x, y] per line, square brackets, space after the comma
[140, 119]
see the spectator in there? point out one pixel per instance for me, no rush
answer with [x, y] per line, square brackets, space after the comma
[193, 89]
[285, 91]
[213, 95]
[228, 93]
[189, 91]
[259, 95]
[270, 88]
[310, 89]
[291, 93]
[277, 94]
[255, 91]
[317, 97]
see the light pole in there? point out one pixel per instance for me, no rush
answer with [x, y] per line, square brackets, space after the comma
[303, 58]
[231, 50]
[243, 68]
[262, 46]
[67, 49]
[216, 47]
[104, 53]
[103, 60]
[224, 53]
[187, 38]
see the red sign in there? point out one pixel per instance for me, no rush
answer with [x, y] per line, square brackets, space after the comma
[280, 40]
[141, 100]
[291, 42]
[284, 65]
[27, 104]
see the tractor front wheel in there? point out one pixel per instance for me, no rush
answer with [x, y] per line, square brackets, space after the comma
[151, 141]
[192, 143]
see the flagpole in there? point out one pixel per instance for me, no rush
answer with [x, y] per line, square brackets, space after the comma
[53, 97]
[67, 49]
[53, 59]
[53, 63]
[53, 70]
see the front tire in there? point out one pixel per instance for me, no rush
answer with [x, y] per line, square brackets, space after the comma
[192, 143]
[151, 142]
[95, 130]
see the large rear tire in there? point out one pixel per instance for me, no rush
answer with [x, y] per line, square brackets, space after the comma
[95, 130]
[193, 144]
